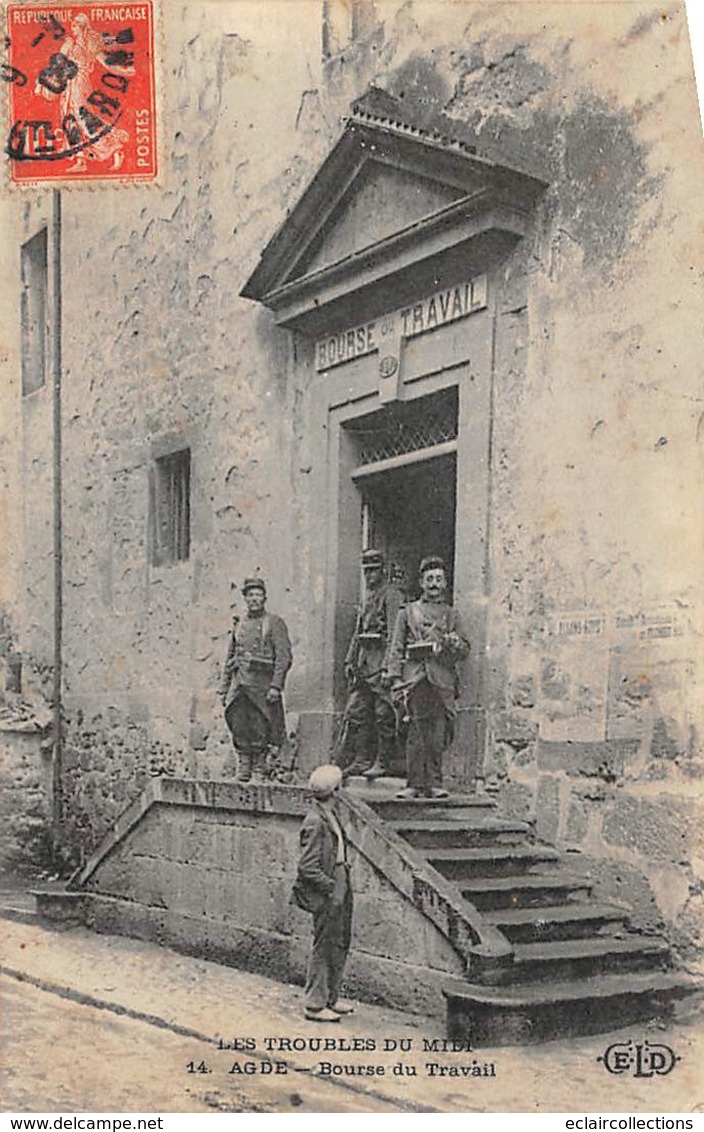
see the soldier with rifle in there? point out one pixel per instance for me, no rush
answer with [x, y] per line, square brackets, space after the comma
[258, 658]
[368, 740]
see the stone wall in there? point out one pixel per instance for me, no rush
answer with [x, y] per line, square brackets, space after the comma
[638, 839]
[107, 762]
[26, 770]
[25, 797]
[211, 872]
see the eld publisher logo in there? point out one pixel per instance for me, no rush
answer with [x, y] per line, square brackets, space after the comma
[641, 1059]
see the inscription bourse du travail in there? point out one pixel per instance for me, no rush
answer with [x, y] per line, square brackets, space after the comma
[436, 310]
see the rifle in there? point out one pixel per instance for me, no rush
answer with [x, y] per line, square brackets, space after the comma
[230, 659]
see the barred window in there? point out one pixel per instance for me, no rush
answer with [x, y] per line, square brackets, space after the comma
[407, 427]
[170, 508]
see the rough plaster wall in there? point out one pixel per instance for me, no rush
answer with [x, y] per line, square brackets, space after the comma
[161, 350]
[10, 384]
[26, 458]
[26, 580]
[26, 550]
[37, 480]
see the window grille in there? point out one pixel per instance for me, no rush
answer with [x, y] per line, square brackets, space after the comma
[399, 429]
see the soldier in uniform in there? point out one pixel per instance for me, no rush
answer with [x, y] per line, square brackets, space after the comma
[427, 645]
[258, 658]
[369, 723]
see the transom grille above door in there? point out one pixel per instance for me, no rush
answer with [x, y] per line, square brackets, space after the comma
[400, 429]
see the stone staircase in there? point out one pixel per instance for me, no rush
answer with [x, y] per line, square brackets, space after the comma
[574, 965]
[544, 957]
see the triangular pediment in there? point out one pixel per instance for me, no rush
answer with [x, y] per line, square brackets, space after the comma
[391, 200]
[380, 202]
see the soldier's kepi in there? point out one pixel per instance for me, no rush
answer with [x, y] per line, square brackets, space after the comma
[368, 739]
[258, 658]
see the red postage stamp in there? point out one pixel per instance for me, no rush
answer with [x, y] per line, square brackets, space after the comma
[81, 92]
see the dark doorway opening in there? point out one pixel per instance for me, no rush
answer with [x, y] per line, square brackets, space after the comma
[407, 478]
[410, 514]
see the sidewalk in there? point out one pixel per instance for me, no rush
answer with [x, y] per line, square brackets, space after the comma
[207, 1002]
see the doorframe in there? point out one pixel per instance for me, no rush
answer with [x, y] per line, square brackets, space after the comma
[471, 371]
[364, 477]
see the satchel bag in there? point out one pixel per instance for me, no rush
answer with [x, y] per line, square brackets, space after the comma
[304, 897]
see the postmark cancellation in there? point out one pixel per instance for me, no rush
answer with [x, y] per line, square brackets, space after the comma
[81, 83]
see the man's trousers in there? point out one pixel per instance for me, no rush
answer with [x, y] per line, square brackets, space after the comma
[371, 730]
[332, 931]
[430, 731]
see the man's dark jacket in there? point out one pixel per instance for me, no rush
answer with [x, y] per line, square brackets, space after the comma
[315, 882]
[266, 637]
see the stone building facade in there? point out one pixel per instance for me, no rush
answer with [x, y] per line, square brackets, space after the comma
[539, 340]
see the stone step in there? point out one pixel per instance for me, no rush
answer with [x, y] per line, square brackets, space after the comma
[434, 833]
[505, 860]
[530, 890]
[52, 904]
[538, 1012]
[60, 905]
[384, 788]
[575, 969]
[18, 906]
[559, 921]
[584, 958]
[458, 807]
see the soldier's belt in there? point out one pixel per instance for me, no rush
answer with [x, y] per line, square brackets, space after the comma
[419, 650]
[258, 663]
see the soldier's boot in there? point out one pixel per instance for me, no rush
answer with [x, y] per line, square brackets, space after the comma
[377, 770]
[268, 763]
[385, 721]
[354, 770]
[244, 768]
[357, 744]
[260, 766]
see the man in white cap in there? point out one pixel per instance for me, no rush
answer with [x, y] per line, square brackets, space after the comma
[323, 888]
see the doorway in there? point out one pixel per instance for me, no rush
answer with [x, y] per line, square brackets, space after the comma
[407, 480]
[410, 513]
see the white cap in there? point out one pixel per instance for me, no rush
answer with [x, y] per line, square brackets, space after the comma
[324, 780]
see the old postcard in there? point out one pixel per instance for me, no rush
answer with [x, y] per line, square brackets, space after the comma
[351, 615]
